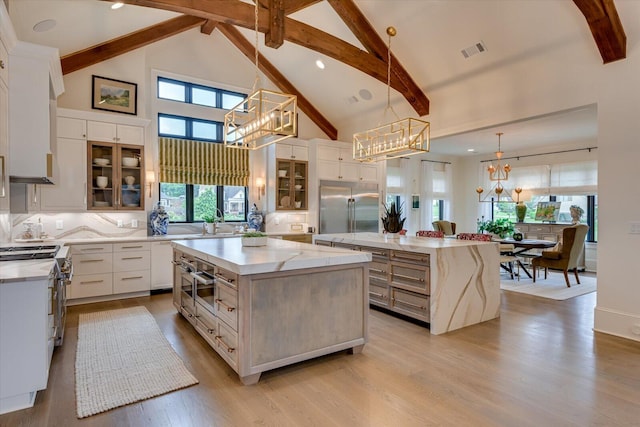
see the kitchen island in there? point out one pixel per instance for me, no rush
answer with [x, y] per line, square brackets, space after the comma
[265, 307]
[447, 283]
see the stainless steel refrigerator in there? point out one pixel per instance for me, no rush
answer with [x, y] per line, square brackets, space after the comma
[348, 207]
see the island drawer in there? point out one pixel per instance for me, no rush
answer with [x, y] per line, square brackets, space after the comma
[377, 254]
[345, 246]
[379, 270]
[410, 304]
[226, 300]
[378, 292]
[227, 277]
[323, 243]
[206, 322]
[412, 257]
[226, 343]
[134, 246]
[410, 277]
[189, 312]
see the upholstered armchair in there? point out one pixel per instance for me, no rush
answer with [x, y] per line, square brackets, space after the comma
[449, 228]
[566, 256]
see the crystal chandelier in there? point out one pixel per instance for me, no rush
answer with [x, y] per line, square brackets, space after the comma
[498, 174]
[399, 138]
[264, 117]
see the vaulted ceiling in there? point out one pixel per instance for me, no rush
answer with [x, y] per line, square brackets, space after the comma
[346, 31]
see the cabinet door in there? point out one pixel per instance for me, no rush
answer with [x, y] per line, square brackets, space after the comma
[329, 169]
[161, 267]
[102, 179]
[4, 64]
[69, 193]
[130, 135]
[328, 153]
[369, 172]
[349, 171]
[71, 128]
[291, 151]
[101, 131]
[291, 185]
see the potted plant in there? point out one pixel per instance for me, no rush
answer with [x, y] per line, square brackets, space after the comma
[392, 220]
[254, 238]
[501, 227]
[210, 221]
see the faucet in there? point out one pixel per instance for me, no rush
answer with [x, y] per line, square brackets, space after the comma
[220, 215]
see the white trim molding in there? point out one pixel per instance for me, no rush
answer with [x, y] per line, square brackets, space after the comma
[625, 325]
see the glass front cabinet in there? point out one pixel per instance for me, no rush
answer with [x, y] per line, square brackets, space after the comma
[115, 176]
[291, 185]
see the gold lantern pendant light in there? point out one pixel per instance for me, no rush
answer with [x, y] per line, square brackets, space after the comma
[399, 138]
[264, 117]
[498, 174]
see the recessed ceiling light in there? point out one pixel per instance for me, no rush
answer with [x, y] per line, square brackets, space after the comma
[117, 5]
[471, 150]
[365, 94]
[320, 64]
[45, 25]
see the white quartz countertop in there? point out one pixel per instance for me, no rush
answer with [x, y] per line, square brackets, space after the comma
[11, 271]
[401, 243]
[277, 255]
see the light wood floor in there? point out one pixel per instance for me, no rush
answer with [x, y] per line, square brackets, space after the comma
[540, 364]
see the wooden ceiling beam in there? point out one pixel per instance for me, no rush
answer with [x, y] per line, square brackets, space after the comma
[367, 35]
[208, 27]
[292, 6]
[274, 38]
[101, 52]
[249, 50]
[241, 14]
[606, 28]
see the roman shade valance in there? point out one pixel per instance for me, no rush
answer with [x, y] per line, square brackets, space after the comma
[195, 162]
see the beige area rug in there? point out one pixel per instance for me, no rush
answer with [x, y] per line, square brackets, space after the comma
[554, 287]
[123, 357]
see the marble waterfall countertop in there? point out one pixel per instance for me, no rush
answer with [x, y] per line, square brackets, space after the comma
[464, 275]
[277, 255]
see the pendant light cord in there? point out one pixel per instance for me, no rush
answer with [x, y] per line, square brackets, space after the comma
[390, 32]
[256, 81]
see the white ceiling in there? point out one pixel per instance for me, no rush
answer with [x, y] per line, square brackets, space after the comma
[431, 34]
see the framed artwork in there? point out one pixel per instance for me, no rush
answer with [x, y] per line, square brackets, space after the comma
[114, 95]
[415, 201]
[548, 211]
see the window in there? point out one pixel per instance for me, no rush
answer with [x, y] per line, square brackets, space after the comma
[190, 202]
[192, 93]
[189, 128]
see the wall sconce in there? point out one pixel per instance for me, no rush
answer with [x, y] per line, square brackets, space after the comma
[151, 179]
[260, 185]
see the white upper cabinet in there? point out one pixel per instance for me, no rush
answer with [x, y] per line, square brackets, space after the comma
[69, 193]
[335, 162]
[112, 132]
[292, 151]
[72, 128]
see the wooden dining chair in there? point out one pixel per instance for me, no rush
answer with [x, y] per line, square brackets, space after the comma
[430, 233]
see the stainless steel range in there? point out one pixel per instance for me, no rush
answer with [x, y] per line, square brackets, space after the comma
[60, 276]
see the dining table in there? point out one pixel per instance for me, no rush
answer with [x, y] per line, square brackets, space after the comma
[521, 248]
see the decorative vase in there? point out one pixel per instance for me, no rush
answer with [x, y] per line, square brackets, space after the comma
[521, 211]
[158, 220]
[255, 218]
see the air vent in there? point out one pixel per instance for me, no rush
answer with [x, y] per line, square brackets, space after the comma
[475, 49]
[352, 100]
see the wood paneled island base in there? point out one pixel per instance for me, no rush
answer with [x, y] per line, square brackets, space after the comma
[265, 307]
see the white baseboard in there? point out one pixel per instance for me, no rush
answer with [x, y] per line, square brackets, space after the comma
[611, 322]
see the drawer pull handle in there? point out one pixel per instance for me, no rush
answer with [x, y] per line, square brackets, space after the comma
[131, 257]
[228, 307]
[421, 307]
[222, 343]
[377, 271]
[132, 278]
[377, 295]
[224, 279]
[91, 249]
[400, 276]
[132, 247]
[92, 260]
[91, 281]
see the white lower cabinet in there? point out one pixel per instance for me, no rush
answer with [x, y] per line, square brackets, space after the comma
[26, 334]
[101, 270]
[161, 266]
